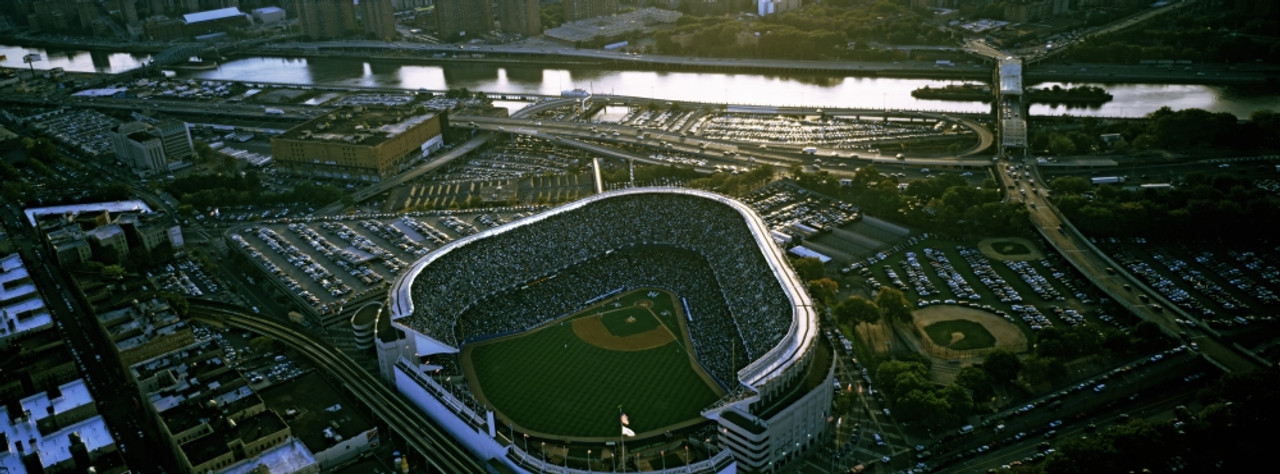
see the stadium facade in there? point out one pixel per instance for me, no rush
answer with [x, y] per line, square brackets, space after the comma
[779, 394]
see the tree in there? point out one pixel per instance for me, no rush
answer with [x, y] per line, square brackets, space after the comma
[1070, 184]
[1038, 370]
[1001, 366]
[1061, 144]
[809, 268]
[976, 380]
[897, 377]
[823, 289]
[854, 310]
[113, 272]
[893, 305]
[262, 345]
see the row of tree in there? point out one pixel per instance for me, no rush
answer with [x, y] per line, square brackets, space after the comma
[944, 203]
[814, 31]
[1223, 206]
[1207, 441]
[1202, 35]
[205, 191]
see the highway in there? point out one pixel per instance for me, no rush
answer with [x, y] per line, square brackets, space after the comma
[1112, 279]
[420, 433]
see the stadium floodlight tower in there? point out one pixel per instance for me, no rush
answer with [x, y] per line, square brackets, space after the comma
[592, 277]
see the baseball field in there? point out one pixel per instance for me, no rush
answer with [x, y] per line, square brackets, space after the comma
[568, 378]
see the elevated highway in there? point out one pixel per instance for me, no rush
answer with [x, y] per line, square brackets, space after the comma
[421, 434]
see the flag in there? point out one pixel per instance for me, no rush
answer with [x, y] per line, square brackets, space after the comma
[628, 431]
[625, 421]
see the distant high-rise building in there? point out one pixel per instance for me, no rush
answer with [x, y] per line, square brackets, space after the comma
[323, 19]
[129, 11]
[575, 10]
[88, 12]
[379, 18]
[465, 18]
[522, 17]
[769, 7]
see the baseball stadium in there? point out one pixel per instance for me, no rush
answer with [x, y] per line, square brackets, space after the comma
[643, 329]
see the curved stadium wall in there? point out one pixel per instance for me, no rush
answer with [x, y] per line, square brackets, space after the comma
[775, 319]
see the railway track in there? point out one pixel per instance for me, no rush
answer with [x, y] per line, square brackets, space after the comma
[433, 443]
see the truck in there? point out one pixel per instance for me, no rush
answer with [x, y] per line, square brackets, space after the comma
[1107, 180]
[273, 111]
[811, 150]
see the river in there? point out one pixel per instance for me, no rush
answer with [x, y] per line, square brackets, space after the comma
[1130, 100]
[72, 60]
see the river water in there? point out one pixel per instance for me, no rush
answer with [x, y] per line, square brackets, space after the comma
[1130, 100]
[72, 60]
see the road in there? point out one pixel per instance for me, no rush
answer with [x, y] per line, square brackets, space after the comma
[1111, 278]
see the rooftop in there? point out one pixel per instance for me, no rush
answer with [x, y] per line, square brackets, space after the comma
[291, 456]
[113, 207]
[211, 15]
[56, 446]
[318, 416]
[20, 304]
[358, 125]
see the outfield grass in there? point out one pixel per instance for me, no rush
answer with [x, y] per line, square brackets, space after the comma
[975, 336]
[550, 381]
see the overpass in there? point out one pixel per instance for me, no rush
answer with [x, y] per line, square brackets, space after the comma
[419, 432]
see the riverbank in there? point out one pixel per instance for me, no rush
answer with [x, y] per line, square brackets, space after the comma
[549, 54]
[1089, 95]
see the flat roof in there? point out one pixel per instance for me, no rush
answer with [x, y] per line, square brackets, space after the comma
[22, 297]
[112, 206]
[106, 91]
[292, 456]
[210, 15]
[54, 447]
[367, 125]
[320, 411]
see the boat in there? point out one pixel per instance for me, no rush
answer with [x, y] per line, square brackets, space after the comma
[196, 64]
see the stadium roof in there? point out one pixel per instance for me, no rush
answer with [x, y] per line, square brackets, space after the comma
[211, 15]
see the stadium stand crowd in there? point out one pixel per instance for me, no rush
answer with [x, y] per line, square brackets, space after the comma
[699, 248]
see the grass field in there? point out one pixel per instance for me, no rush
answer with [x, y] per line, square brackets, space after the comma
[552, 382]
[974, 336]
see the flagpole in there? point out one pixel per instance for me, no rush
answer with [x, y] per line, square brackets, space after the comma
[622, 439]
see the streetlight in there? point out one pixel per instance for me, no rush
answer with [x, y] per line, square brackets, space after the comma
[31, 59]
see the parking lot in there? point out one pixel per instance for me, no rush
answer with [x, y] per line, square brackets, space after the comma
[1222, 286]
[798, 213]
[326, 263]
[83, 129]
[185, 277]
[1036, 293]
